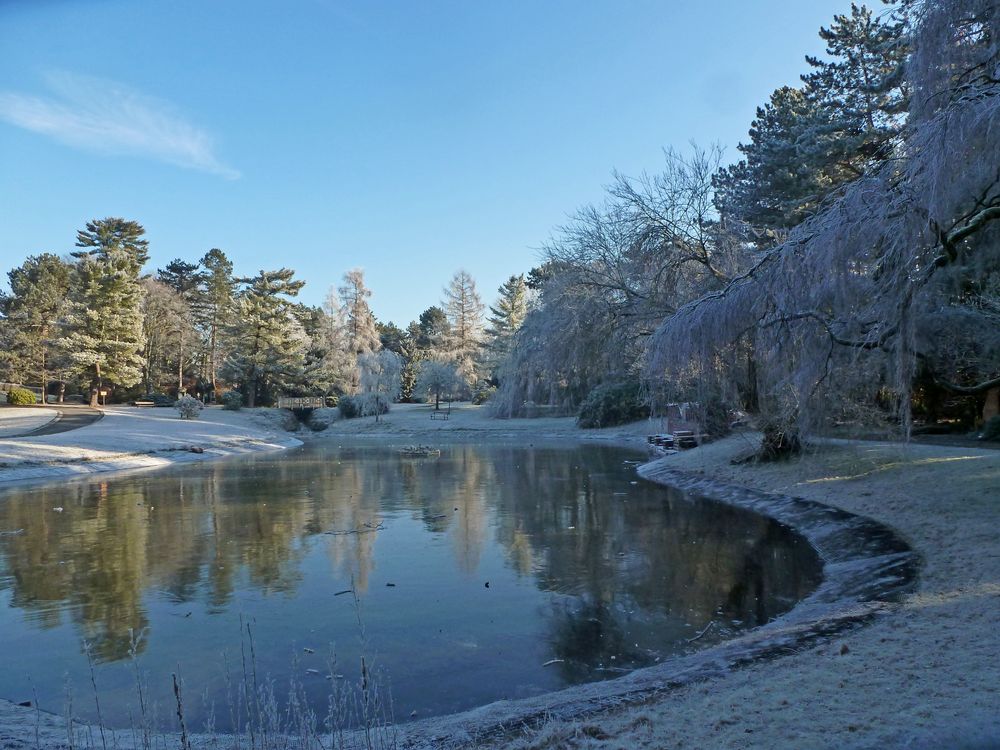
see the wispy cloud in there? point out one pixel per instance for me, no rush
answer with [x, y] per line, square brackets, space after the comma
[107, 117]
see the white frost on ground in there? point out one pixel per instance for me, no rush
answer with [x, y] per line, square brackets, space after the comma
[132, 438]
[16, 420]
[468, 421]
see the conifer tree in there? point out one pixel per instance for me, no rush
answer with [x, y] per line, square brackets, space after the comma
[773, 188]
[362, 332]
[37, 301]
[807, 143]
[268, 342]
[432, 330]
[465, 318]
[506, 317]
[181, 276]
[329, 363]
[861, 87]
[218, 288]
[105, 337]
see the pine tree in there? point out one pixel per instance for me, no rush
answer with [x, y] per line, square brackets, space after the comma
[432, 331]
[362, 332]
[861, 87]
[506, 318]
[329, 365]
[218, 289]
[465, 317]
[807, 143]
[186, 282]
[773, 187]
[37, 301]
[181, 276]
[268, 343]
[105, 337]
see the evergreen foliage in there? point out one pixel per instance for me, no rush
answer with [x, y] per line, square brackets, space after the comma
[612, 404]
[267, 340]
[33, 310]
[188, 406]
[21, 397]
[232, 401]
[104, 322]
[216, 308]
[505, 319]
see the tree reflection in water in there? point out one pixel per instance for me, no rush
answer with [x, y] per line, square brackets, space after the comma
[586, 567]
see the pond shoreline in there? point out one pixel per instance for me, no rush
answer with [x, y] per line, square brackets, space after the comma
[130, 439]
[712, 698]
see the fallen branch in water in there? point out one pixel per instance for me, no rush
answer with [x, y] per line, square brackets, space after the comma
[700, 634]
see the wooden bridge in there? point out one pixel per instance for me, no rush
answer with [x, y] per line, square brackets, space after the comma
[301, 402]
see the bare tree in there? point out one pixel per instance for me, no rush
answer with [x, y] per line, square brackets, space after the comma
[380, 380]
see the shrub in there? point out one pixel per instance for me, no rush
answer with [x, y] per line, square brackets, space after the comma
[612, 404]
[320, 419]
[482, 395]
[20, 397]
[351, 407]
[991, 430]
[232, 401]
[189, 407]
[162, 399]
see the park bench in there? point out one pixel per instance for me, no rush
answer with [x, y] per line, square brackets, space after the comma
[441, 414]
[143, 402]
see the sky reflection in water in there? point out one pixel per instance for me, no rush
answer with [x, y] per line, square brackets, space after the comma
[585, 564]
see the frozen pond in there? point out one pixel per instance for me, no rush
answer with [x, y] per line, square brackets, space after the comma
[491, 571]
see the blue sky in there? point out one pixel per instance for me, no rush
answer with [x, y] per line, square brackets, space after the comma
[407, 138]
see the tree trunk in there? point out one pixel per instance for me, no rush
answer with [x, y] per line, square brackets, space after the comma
[45, 380]
[211, 359]
[95, 386]
[992, 406]
[180, 367]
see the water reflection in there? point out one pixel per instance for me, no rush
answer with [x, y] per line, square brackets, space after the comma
[588, 569]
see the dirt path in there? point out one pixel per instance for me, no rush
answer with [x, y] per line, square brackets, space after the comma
[68, 418]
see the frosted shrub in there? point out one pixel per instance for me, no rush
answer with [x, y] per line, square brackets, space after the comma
[189, 407]
[232, 401]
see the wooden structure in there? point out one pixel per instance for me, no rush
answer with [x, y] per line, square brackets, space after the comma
[301, 402]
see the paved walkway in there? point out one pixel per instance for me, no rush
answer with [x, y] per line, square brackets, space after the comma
[48, 420]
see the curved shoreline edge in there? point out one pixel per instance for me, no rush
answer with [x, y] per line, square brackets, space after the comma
[867, 567]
